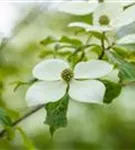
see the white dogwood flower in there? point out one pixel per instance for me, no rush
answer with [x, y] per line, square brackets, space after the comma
[55, 77]
[108, 17]
[86, 7]
[78, 7]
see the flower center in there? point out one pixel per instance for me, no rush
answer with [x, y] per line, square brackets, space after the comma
[104, 20]
[100, 1]
[67, 74]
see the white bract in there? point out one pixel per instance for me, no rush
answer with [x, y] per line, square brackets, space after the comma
[107, 17]
[86, 7]
[55, 77]
[78, 7]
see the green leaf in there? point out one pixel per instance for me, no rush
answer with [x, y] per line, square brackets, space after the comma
[56, 114]
[27, 142]
[126, 69]
[12, 113]
[72, 41]
[121, 50]
[4, 118]
[112, 91]
[127, 72]
[45, 53]
[97, 35]
[64, 39]
[48, 40]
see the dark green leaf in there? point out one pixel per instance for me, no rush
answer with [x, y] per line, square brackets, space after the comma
[56, 114]
[48, 40]
[126, 69]
[4, 118]
[63, 40]
[72, 41]
[112, 91]
[127, 72]
[26, 140]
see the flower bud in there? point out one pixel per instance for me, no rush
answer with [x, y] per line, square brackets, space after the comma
[67, 75]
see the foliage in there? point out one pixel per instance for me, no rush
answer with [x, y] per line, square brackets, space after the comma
[57, 114]
[72, 45]
[5, 120]
[112, 91]
[126, 69]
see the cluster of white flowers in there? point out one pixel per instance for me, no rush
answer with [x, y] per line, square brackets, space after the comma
[107, 15]
[55, 78]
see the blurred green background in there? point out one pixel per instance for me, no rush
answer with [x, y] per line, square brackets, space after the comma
[90, 127]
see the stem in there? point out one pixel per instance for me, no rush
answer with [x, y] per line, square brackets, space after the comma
[79, 49]
[128, 6]
[2, 133]
[81, 57]
[103, 46]
[88, 39]
[74, 53]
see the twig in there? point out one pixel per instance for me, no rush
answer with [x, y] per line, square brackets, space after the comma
[2, 133]
[128, 6]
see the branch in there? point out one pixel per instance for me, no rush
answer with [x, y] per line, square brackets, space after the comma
[2, 133]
